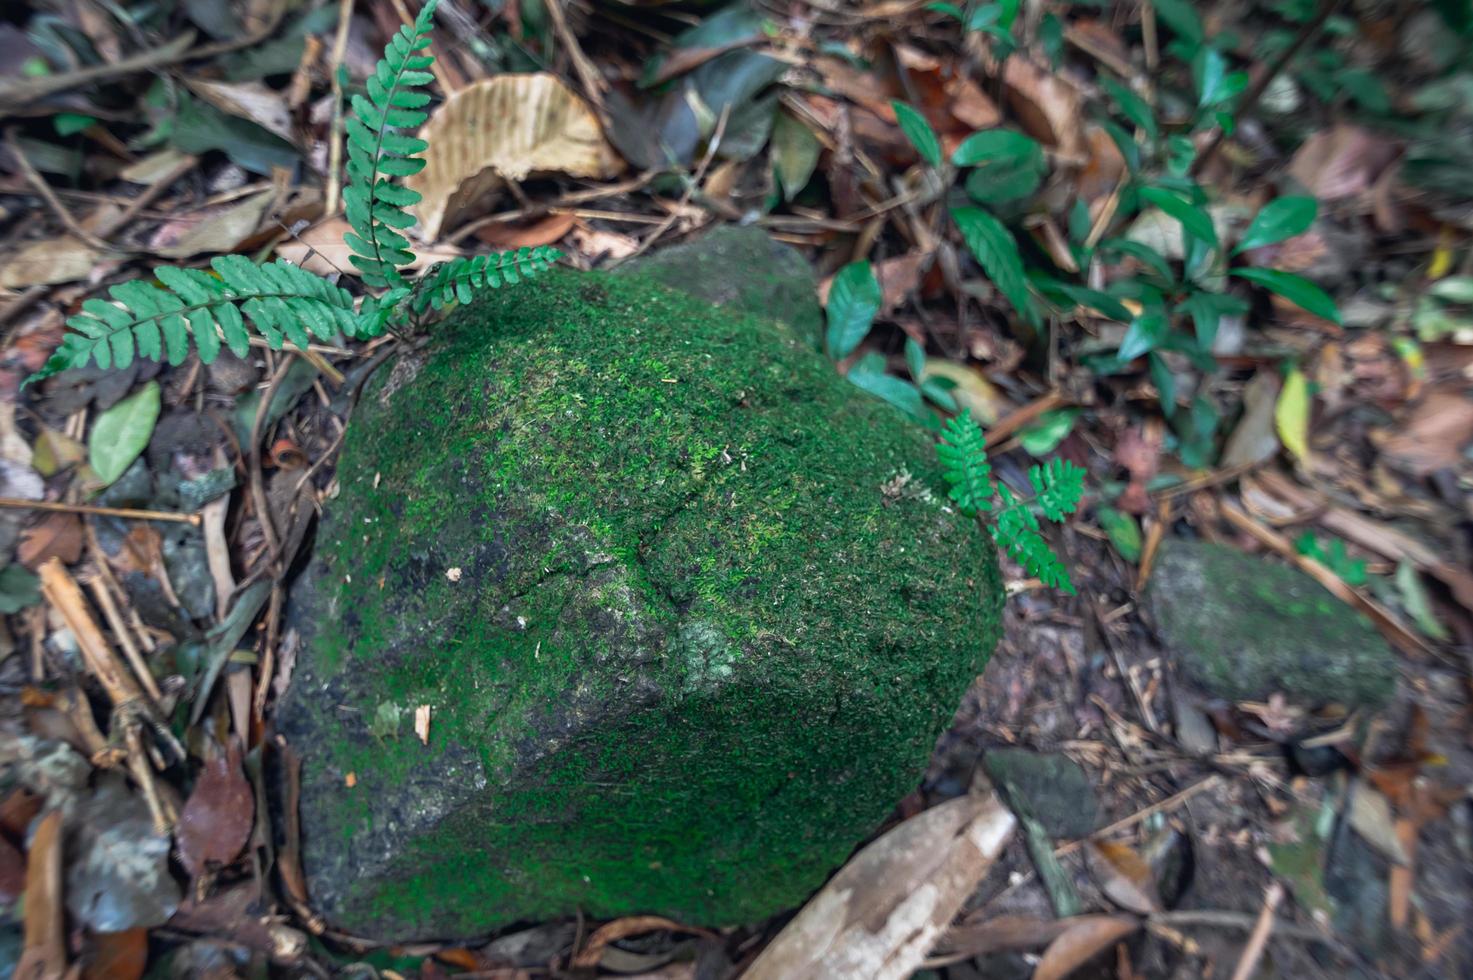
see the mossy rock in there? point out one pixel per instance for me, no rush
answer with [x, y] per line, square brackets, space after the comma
[1244, 628]
[685, 606]
[741, 268]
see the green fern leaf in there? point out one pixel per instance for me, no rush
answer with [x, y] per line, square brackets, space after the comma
[457, 281]
[1016, 531]
[280, 300]
[963, 454]
[379, 152]
[1058, 488]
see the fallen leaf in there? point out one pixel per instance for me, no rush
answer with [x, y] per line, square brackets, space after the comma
[509, 126]
[1124, 877]
[1433, 435]
[12, 872]
[1370, 816]
[883, 911]
[47, 262]
[121, 433]
[1342, 161]
[115, 955]
[1047, 105]
[1291, 414]
[56, 536]
[631, 925]
[263, 106]
[898, 278]
[217, 819]
[217, 230]
[1254, 440]
[969, 105]
[321, 249]
[1087, 937]
[154, 167]
[972, 391]
[118, 864]
[1103, 168]
[1002, 934]
[543, 232]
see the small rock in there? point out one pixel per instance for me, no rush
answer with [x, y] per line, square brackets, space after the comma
[1051, 788]
[1245, 627]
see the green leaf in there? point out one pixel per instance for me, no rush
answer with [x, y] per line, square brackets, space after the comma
[1194, 220]
[1296, 289]
[1145, 334]
[1094, 299]
[1132, 106]
[121, 433]
[71, 123]
[1417, 602]
[795, 151]
[1280, 218]
[854, 299]
[869, 373]
[963, 456]
[1182, 17]
[1044, 436]
[919, 132]
[996, 144]
[997, 252]
[1058, 487]
[1453, 289]
[1207, 310]
[1009, 165]
[19, 588]
[1142, 253]
[1122, 530]
[1164, 381]
[915, 359]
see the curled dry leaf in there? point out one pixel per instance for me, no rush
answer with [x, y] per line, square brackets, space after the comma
[510, 126]
[263, 106]
[1342, 161]
[216, 821]
[885, 909]
[1047, 106]
[1086, 937]
[1124, 877]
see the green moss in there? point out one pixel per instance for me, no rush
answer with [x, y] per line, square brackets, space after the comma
[682, 650]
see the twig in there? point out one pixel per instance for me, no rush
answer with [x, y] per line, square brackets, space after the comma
[1148, 35]
[593, 83]
[1241, 920]
[690, 190]
[1261, 84]
[34, 178]
[24, 91]
[124, 637]
[1258, 938]
[253, 453]
[335, 134]
[127, 513]
[61, 591]
[164, 815]
[1170, 803]
[1023, 417]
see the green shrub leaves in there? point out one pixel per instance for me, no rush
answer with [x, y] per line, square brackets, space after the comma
[1281, 218]
[854, 299]
[919, 132]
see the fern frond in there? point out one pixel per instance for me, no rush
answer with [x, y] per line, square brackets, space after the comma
[379, 151]
[280, 300]
[458, 279]
[1016, 531]
[1058, 487]
[964, 456]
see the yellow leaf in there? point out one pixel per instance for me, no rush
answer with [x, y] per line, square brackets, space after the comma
[506, 127]
[1291, 414]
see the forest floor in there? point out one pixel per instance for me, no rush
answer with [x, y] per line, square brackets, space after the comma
[1303, 400]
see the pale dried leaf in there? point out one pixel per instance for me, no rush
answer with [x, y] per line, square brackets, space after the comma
[1434, 435]
[885, 909]
[1370, 816]
[1048, 106]
[154, 167]
[596, 244]
[1086, 937]
[508, 126]
[47, 262]
[1124, 877]
[1342, 161]
[263, 106]
[218, 231]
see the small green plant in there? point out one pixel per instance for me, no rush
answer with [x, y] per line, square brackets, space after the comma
[160, 319]
[1057, 489]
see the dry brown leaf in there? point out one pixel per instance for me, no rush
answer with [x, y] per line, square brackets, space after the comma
[154, 167]
[253, 101]
[632, 925]
[216, 230]
[115, 955]
[1342, 161]
[1087, 937]
[510, 126]
[321, 249]
[1434, 435]
[597, 245]
[1370, 816]
[47, 262]
[1048, 106]
[56, 536]
[544, 232]
[1104, 169]
[1124, 877]
[969, 105]
[217, 819]
[885, 909]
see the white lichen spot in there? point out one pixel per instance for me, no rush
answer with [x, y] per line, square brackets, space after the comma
[453, 574]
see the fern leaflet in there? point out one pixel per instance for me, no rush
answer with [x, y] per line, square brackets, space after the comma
[1058, 488]
[456, 280]
[379, 151]
[1016, 530]
[964, 456]
[282, 301]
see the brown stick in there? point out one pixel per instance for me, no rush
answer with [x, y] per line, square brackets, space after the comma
[1258, 938]
[129, 513]
[125, 638]
[61, 590]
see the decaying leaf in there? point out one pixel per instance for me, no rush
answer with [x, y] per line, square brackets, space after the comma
[885, 909]
[1087, 937]
[263, 106]
[217, 819]
[118, 866]
[1434, 435]
[510, 126]
[218, 230]
[1047, 105]
[44, 952]
[48, 261]
[1341, 161]
[1124, 877]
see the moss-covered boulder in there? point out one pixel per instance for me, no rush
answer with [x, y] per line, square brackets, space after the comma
[680, 603]
[1245, 627]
